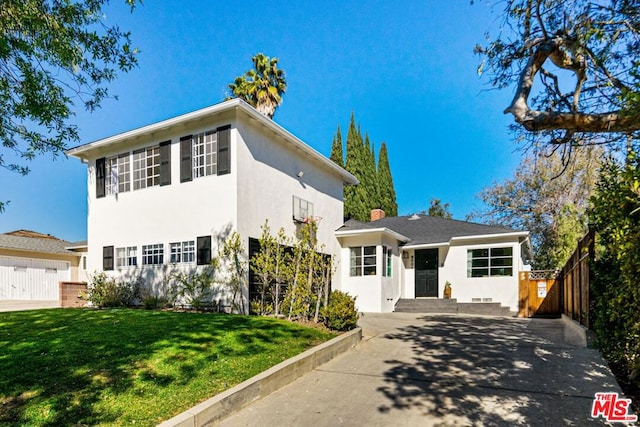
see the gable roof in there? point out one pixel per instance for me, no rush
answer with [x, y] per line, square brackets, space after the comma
[47, 244]
[426, 230]
[83, 151]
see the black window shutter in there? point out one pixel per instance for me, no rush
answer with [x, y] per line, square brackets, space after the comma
[165, 163]
[100, 177]
[107, 258]
[224, 153]
[185, 158]
[204, 250]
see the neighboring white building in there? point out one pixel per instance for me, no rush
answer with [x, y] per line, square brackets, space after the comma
[168, 193]
[414, 256]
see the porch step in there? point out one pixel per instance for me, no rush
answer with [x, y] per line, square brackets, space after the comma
[451, 306]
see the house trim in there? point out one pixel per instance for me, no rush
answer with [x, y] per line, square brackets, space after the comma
[82, 152]
[384, 230]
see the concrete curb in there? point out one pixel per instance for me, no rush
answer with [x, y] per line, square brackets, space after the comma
[227, 402]
[575, 334]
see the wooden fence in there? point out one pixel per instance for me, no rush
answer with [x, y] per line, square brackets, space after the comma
[539, 294]
[575, 278]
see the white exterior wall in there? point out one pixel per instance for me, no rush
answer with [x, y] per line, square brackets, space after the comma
[267, 182]
[376, 294]
[161, 214]
[499, 289]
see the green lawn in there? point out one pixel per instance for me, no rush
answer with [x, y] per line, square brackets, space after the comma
[124, 367]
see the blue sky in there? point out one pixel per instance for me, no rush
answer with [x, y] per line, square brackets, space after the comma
[407, 72]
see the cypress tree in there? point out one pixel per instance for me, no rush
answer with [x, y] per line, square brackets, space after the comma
[336, 149]
[355, 197]
[370, 177]
[385, 183]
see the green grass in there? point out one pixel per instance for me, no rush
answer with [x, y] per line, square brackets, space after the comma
[124, 367]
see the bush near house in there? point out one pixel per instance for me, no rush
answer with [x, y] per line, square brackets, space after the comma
[340, 314]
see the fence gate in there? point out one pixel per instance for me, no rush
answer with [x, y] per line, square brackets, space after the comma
[539, 294]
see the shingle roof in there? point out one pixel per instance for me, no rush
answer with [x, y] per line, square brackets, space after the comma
[423, 230]
[35, 244]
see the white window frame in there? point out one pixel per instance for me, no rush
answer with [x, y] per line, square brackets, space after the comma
[118, 179]
[493, 263]
[126, 256]
[204, 158]
[146, 167]
[362, 263]
[182, 252]
[153, 254]
[387, 261]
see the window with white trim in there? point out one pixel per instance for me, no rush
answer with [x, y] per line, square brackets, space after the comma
[118, 179]
[387, 254]
[362, 261]
[490, 262]
[127, 256]
[153, 254]
[205, 154]
[146, 167]
[183, 251]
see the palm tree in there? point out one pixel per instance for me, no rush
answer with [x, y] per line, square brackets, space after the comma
[263, 86]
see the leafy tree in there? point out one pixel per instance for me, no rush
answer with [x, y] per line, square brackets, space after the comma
[615, 294]
[546, 201]
[53, 55]
[271, 265]
[369, 178]
[385, 183]
[262, 86]
[233, 259]
[585, 57]
[337, 155]
[437, 208]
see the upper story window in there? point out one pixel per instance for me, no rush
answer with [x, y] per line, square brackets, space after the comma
[205, 154]
[489, 262]
[362, 261]
[146, 167]
[151, 166]
[118, 179]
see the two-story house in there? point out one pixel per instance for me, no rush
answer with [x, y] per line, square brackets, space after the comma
[168, 193]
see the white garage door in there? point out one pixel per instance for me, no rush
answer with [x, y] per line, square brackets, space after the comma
[32, 279]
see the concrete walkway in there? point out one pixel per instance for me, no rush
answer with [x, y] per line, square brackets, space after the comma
[444, 370]
[20, 305]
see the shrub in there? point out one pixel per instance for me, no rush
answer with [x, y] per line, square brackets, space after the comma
[105, 291]
[340, 314]
[195, 288]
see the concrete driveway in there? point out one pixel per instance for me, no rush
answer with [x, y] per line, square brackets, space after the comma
[20, 305]
[444, 370]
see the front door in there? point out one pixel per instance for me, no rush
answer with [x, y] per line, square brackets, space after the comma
[426, 268]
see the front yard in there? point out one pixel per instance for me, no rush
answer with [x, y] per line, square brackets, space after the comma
[124, 367]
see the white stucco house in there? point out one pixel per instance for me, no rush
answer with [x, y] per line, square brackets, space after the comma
[414, 256]
[167, 193]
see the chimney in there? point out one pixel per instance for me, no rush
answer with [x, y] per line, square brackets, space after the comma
[377, 214]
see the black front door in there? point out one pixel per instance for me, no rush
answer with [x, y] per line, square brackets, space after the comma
[426, 267]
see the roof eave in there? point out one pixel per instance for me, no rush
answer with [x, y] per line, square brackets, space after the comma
[491, 236]
[383, 230]
[81, 152]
